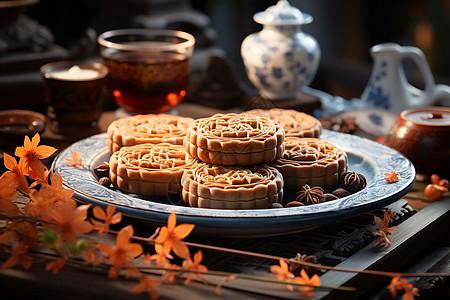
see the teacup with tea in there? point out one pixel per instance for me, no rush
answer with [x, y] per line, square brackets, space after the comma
[148, 68]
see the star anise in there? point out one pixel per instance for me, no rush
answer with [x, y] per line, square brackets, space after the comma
[352, 181]
[310, 195]
[295, 267]
[348, 125]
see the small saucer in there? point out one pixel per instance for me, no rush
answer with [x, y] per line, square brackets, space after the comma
[15, 124]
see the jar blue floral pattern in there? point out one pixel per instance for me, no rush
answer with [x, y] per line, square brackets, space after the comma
[280, 59]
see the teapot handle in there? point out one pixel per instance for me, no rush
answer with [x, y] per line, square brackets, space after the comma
[419, 97]
[441, 93]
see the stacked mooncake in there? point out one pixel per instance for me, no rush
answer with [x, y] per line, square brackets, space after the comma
[233, 174]
[294, 123]
[226, 161]
[143, 129]
[310, 161]
[149, 169]
[148, 156]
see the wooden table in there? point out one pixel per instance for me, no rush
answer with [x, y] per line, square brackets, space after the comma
[412, 237]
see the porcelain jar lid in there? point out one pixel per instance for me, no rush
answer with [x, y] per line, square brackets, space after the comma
[282, 14]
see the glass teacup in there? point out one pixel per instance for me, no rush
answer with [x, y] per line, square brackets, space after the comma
[148, 68]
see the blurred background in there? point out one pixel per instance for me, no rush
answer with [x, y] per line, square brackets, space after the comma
[50, 30]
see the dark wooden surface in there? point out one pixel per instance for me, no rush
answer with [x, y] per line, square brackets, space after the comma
[415, 235]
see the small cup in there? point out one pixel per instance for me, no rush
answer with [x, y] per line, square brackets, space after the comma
[148, 68]
[423, 136]
[16, 124]
[74, 94]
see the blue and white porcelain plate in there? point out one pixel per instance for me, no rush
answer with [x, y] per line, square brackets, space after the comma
[367, 157]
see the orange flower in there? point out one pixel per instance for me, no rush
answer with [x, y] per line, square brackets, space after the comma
[282, 273]
[39, 180]
[12, 166]
[391, 177]
[56, 265]
[18, 256]
[383, 230]
[8, 191]
[169, 238]
[76, 160]
[30, 154]
[194, 265]
[399, 284]
[19, 231]
[91, 256]
[71, 221]
[383, 239]
[41, 202]
[159, 258]
[308, 288]
[108, 218]
[162, 261]
[121, 255]
[8, 186]
[384, 225]
[57, 186]
[146, 283]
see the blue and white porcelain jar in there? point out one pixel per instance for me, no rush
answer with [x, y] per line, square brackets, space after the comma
[281, 58]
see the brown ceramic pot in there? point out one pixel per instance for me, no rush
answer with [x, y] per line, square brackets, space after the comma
[423, 136]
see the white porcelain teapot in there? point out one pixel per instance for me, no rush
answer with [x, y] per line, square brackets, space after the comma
[281, 58]
[388, 87]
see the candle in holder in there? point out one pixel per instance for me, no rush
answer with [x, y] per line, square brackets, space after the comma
[74, 96]
[75, 73]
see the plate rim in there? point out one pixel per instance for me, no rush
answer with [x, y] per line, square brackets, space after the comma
[298, 215]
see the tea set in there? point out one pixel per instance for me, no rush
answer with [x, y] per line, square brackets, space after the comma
[281, 60]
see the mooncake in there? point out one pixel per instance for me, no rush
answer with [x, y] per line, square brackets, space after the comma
[149, 169]
[151, 128]
[235, 139]
[310, 161]
[294, 123]
[231, 187]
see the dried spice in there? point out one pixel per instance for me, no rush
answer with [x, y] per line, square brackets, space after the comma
[102, 170]
[105, 181]
[341, 193]
[276, 205]
[294, 204]
[352, 181]
[345, 125]
[310, 195]
[329, 197]
[300, 258]
[348, 125]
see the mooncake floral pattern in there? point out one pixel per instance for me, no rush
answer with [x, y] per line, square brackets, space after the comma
[141, 129]
[235, 139]
[294, 123]
[214, 186]
[311, 161]
[149, 169]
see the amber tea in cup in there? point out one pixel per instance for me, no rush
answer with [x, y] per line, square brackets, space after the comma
[148, 68]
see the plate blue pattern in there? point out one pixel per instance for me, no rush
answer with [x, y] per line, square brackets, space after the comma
[367, 157]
